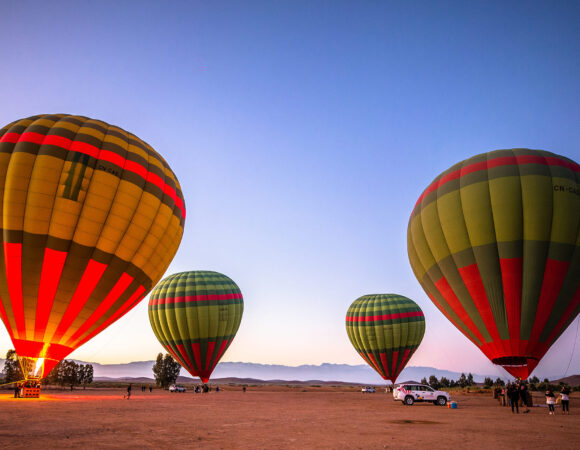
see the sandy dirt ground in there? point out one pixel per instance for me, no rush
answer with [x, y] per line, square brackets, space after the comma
[275, 417]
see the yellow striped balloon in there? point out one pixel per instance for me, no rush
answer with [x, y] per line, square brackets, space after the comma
[91, 218]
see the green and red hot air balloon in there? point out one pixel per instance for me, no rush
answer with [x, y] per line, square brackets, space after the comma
[195, 316]
[385, 329]
[495, 243]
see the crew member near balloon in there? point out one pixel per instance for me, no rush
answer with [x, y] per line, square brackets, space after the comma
[495, 243]
[91, 218]
[385, 330]
[195, 316]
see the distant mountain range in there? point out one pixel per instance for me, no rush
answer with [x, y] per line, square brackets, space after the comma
[360, 374]
[323, 372]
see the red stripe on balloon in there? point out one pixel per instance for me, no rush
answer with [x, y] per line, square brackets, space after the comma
[384, 316]
[197, 355]
[57, 141]
[209, 354]
[93, 273]
[102, 155]
[511, 274]
[127, 306]
[394, 363]
[52, 266]
[195, 298]
[120, 286]
[384, 362]
[179, 356]
[554, 275]
[498, 162]
[447, 293]
[376, 364]
[472, 279]
[13, 262]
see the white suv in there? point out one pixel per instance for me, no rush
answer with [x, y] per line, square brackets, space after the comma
[176, 388]
[411, 393]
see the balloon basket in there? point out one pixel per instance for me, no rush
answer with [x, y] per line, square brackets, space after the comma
[30, 389]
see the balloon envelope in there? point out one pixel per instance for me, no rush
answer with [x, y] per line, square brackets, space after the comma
[385, 329]
[494, 241]
[195, 315]
[91, 216]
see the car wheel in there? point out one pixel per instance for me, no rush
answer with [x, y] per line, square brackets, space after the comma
[409, 400]
[441, 401]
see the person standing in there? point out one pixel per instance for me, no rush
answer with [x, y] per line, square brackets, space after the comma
[565, 395]
[129, 392]
[551, 401]
[524, 397]
[514, 396]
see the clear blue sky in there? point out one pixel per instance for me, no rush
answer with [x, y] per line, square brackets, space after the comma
[302, 134]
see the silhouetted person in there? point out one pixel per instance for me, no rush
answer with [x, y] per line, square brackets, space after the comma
[565, 395]
[16, 391]
[514, 396]
[129, 392]
[150, 388]
[244, 389]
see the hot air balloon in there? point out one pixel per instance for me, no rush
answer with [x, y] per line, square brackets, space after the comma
[495, 243]
[385, 329]
[92, 216]
[195, 316]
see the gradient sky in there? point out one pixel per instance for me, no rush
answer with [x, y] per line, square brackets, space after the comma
[302, 133]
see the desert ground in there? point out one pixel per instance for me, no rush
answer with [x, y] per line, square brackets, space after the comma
[275, 417]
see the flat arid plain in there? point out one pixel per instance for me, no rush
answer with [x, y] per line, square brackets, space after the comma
[275, 417]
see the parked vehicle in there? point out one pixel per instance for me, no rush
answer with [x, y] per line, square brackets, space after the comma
[411, 393]
[368, 390]
[176, 388]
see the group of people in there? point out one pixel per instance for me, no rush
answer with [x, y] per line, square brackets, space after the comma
[516, 394]
[564, 399]
[130, 388]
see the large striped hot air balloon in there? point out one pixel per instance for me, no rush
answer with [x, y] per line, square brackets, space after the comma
[195, 316]
[91, 218]
[385, 329]
[495, 243]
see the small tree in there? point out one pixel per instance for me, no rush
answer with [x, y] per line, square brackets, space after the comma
[444, 382]
[487, 383]
[12, 371]
[470, 381]
[166, 370]
[85, 374]
[499, 382]
[424, 380]
[69, 373]
[462, 380]
[434, 382]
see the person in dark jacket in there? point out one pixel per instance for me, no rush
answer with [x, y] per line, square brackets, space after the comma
[514, 396]
[565, 395]
[524, 396]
